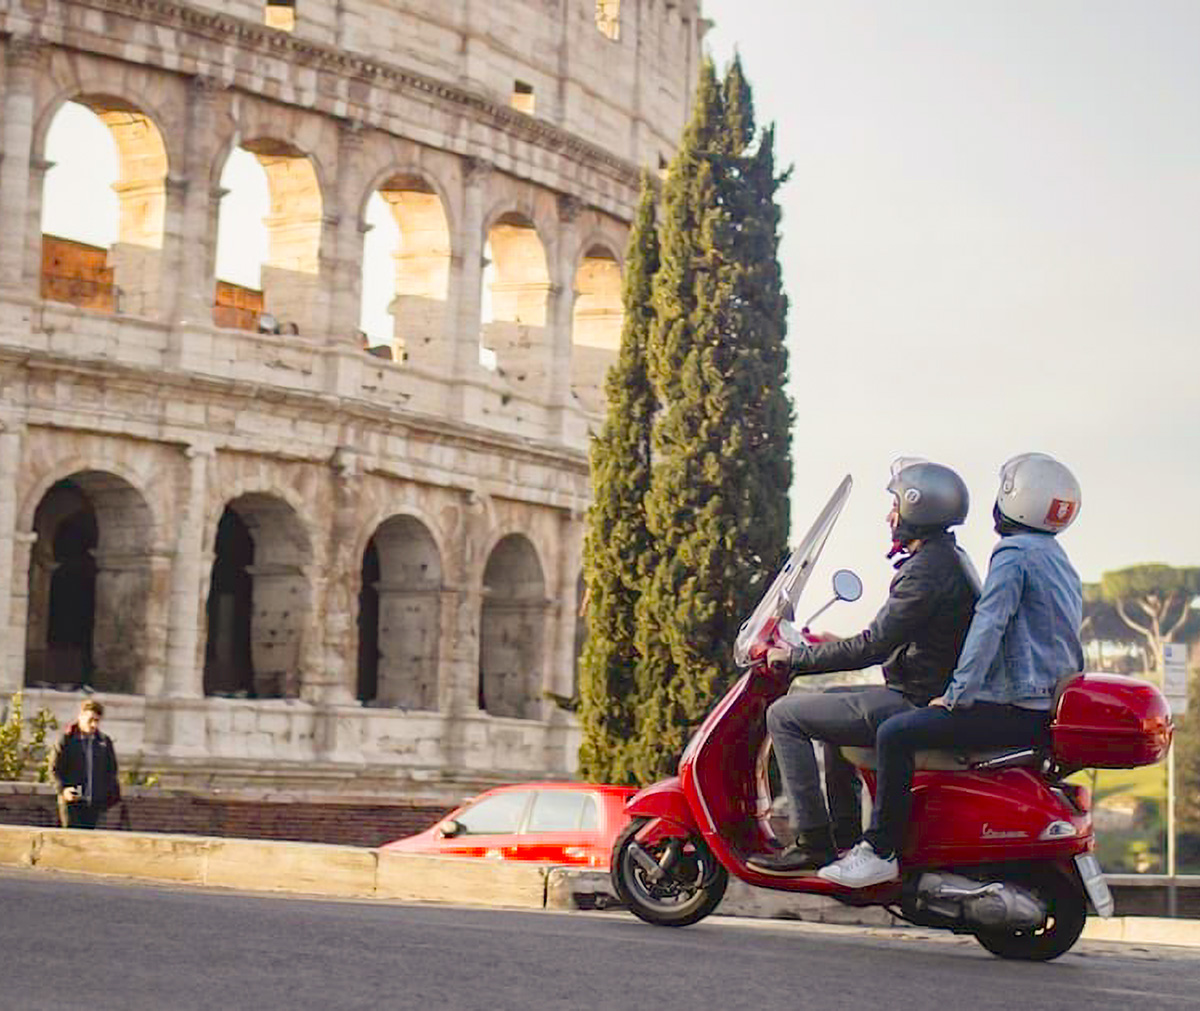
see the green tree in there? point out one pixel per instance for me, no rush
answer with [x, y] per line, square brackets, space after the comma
[1187, 779]
[617, 550]
[717, 506]
[1154, 601]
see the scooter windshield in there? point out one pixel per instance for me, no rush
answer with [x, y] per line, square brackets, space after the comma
[779, 602]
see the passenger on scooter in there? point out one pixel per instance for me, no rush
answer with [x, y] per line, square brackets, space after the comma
[916, 636]
[1023, 640]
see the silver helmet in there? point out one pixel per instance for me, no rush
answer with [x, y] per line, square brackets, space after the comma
[929, 497]
[1038, 492]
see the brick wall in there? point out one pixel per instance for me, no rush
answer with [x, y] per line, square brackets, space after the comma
[345, 823]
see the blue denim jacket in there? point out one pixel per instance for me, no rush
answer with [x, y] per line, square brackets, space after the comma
[1025, 633]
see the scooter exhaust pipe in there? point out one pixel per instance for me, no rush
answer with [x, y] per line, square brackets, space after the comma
[949, 891]
[993, 904]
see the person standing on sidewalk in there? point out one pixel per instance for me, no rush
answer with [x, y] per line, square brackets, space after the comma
[84, 765]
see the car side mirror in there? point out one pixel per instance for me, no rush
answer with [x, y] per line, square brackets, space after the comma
[450, 828]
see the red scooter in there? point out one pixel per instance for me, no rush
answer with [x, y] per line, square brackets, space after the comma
[999, 844]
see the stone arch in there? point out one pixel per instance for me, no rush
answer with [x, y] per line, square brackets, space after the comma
[518, 323]
[289, 294]
[259, 599]
[400, 616]
[90, 580]
[422, 261]
[512, 630]
[125, 276]
[595, 324]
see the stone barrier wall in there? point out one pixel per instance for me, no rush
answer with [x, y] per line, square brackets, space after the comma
[334, 822]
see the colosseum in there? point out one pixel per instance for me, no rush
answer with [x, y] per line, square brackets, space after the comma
[286, 552]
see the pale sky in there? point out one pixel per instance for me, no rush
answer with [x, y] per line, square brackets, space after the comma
[991, 242]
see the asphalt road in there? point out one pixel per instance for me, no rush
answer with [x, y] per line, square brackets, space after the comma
[69, 943]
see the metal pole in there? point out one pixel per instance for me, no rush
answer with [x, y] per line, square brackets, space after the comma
[1172, 898]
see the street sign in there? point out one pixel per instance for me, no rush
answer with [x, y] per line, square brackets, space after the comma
[1175, 675]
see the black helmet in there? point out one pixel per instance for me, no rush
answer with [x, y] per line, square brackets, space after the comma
[929, 498]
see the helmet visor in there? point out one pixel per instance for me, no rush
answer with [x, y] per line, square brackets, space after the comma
[904, 462]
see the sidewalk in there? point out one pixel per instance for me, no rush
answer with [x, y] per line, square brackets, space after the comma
[354, 872]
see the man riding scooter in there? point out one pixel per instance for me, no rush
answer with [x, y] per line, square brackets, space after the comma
[916, 635]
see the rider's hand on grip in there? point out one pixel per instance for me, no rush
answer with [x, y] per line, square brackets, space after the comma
[779, 659]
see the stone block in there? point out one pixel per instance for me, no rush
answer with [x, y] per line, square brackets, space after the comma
[18, 845]
[291, 867]
[125, 854]
[416, 878]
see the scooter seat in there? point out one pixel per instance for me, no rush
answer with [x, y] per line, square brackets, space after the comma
[948, 761]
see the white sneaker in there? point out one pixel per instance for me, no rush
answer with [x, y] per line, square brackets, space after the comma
[861, 867]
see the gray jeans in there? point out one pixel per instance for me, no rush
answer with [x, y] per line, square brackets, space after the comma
[837, 716]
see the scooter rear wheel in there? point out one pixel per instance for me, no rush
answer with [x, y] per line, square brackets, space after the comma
[671, 882]
[1067, 908]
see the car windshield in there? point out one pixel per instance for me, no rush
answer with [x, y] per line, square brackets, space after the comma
[780, 599]
[562, 811]
[499, 814]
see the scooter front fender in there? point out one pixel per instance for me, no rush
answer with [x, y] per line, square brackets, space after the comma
[665, 800]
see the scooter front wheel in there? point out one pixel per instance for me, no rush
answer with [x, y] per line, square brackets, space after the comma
[671, 882]
[1067, 909]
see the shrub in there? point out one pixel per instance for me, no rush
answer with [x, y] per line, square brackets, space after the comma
[19, 756]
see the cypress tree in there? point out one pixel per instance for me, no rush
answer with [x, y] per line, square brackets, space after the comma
[616, 543]
[717, 506]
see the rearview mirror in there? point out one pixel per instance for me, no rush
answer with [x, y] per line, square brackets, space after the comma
[846, 585]
[449, 828]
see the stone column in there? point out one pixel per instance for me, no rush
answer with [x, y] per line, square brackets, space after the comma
[466, 275]
[18, 607]
[185, 667]
[341, 269]
[23, 58]
[570, 551]
[474, 52]
[560, 312]
[190, 231]
[12, 639]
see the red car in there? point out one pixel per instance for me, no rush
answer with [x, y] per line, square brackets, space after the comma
[558, 823]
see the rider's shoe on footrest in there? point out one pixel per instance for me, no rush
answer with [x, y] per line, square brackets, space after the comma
[805, 855]
[862, 867]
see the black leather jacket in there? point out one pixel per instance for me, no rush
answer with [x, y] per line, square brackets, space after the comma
[918, 633]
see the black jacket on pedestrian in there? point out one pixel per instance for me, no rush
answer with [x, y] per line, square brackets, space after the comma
[918, 633]
[68, 764]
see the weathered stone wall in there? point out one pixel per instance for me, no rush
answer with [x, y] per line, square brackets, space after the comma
[164, 418]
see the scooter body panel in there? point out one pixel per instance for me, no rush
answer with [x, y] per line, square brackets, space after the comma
[962, 819]
[664, 801]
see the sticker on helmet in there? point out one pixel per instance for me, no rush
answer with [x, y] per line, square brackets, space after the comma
[1060, 512]
[912, 496]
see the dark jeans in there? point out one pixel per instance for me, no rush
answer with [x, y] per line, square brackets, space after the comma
[838, 716]
[79, 814]
[981, 726]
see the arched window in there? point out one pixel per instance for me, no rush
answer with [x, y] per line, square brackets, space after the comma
[258, 602]
[595, 326]
[512, 630]
[515, 304]
[400, 616]
[406, 272]
[103, 208]
[288, 298]
[89, 585]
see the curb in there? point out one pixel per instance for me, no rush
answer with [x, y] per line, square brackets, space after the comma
[353, 872]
